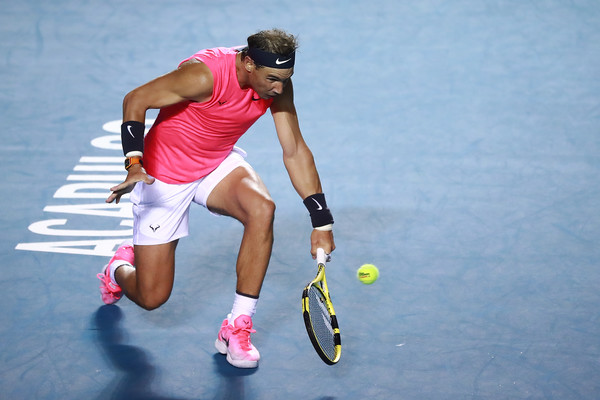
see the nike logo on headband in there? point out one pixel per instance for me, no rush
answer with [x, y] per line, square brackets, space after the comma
[271, 60]
[279, 62]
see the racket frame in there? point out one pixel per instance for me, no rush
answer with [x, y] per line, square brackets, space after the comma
[320, 283]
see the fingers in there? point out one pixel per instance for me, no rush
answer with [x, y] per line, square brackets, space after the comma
[121, 186]
[117, 194]
[128, 185]
[119, 190]
[111, 198]
[321, 239]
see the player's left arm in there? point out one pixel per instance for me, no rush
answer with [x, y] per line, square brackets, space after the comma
[298, 160]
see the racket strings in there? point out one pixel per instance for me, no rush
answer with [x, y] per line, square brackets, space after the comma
[321, 321]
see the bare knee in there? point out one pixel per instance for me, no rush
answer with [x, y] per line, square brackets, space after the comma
[152, 301]
[152, 295]
[261, 213]
[267, 210]
[155, 273]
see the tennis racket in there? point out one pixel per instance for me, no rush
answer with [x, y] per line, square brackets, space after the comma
[319, 316]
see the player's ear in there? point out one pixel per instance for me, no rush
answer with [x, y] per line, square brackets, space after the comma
[249, 64]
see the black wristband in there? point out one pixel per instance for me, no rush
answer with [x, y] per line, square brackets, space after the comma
[317, 207]
[132, 138]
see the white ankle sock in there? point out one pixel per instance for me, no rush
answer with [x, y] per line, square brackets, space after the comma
[242, 305]
[113, 267]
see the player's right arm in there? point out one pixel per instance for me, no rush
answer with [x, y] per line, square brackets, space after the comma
[192, 81]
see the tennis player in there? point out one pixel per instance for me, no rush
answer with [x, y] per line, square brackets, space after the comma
[189, 156]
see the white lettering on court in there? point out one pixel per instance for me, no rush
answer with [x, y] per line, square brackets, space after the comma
[98, 227]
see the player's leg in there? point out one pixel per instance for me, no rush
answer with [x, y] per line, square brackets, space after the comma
[150, 282]
[243, 196]
[145, 275]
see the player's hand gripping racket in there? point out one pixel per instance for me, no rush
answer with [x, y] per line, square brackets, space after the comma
[319, 316]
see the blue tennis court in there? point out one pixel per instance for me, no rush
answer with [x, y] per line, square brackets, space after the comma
[459, 146]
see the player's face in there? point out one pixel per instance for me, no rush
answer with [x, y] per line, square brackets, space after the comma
[270, 82]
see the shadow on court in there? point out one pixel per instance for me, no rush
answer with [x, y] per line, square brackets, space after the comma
[232, 379]
[135, 372]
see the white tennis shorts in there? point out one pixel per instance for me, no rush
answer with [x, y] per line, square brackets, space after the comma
[161, 210]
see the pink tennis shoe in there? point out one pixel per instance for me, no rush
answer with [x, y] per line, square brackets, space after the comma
[235, 342]
[111, 292]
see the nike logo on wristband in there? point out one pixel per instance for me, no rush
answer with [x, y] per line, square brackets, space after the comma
[319, 206]
[129, 130]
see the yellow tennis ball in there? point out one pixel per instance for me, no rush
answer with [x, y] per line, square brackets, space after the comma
[367, 274]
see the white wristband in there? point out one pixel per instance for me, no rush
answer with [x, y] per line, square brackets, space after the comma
[325, 228]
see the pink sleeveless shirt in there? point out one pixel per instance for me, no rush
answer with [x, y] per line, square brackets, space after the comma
[189, 140]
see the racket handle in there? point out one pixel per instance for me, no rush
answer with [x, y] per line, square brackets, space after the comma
[321, 257]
